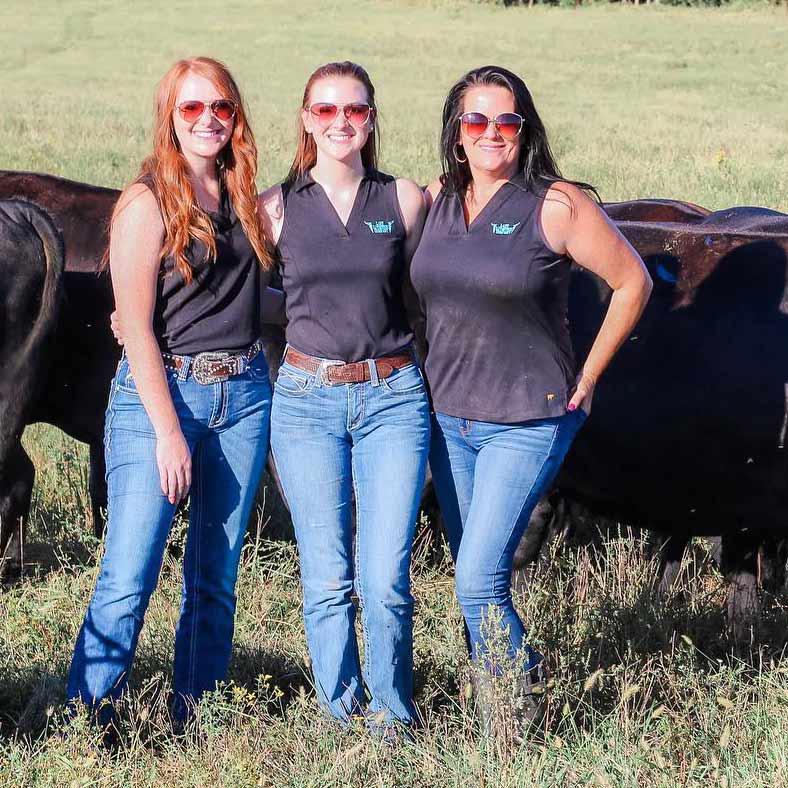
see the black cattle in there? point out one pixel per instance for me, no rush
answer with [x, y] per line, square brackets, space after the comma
[688, 430]
[689, 423]
[71, 387]
[31, 267]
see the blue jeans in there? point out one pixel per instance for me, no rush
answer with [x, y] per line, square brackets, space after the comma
[329, 442]
[488, 478]
[226, 427]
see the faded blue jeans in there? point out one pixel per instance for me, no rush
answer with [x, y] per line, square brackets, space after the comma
[329, 442]
[226, 426]
[488, 478]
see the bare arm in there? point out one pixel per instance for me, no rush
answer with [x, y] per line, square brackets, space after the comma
[575, 225]
[270, 207]
[134, 256]
[414, 211]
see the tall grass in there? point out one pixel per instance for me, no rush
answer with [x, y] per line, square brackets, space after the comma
[645, 692]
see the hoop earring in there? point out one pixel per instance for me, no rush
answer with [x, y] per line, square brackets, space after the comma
[461, 161]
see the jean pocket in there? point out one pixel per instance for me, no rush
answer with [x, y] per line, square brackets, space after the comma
[406, 380]
[293, 383]
[124, 379]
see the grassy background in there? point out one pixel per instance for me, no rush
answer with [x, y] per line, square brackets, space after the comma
[656, 102]
[642, 102]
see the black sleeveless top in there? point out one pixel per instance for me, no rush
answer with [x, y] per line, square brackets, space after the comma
[220, 309]
[494, 296]
[343, 284]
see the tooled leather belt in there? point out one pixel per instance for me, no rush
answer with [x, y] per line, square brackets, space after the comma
[335, 372]
[213, 367]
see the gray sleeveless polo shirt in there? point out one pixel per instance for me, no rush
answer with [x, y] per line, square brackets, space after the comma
[495, 297]
[343, 284]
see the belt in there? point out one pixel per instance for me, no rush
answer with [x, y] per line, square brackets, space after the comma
[335, 372]
[213, 367]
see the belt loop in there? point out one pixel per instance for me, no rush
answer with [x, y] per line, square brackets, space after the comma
[373, 372]
[185, 368]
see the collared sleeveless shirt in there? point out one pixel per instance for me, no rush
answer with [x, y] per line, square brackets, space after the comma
[344, 283]
[220, 309]
[494, 297]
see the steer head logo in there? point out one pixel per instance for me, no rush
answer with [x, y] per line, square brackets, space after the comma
[379, 227]
[503, 228]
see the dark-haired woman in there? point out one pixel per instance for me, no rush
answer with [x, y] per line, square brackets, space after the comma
[350, 413]
[190, 403]
[492, 276]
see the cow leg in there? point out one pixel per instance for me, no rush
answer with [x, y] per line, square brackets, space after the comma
[771, 558]
[97, 487]
[16, 487]
[543, 527]
[671, 550]
[739, 566]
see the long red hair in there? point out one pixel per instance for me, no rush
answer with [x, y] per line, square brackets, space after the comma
[184, 220]
[306, 152]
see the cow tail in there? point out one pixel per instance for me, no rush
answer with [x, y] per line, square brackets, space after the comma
[54, 256]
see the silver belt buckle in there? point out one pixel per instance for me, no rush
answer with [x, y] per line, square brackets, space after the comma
[323, 372]
[201, 363]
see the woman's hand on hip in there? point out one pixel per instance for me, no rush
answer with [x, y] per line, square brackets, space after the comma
[583, 393]
[175, 466]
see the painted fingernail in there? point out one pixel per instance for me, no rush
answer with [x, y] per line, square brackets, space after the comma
[571, 406]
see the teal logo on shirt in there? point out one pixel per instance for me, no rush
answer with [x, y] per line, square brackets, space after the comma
[503, 228]
[379, 227]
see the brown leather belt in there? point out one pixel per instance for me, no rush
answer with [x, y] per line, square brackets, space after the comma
[336, 372]
[213, 367]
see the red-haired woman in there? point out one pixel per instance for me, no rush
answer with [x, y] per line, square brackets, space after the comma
[189, 406]
[350, 411]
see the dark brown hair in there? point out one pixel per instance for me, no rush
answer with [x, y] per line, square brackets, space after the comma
[536, 160]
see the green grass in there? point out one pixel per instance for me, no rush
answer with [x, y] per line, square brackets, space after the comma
[646, 102]
[654, 101]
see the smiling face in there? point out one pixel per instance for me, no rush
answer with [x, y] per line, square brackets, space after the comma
[205, 137]
[490, 154]
[340, 139]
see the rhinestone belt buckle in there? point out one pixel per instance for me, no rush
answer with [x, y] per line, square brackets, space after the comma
[323, 372]
[204, 367]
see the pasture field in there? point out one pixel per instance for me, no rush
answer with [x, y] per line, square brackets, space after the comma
[646, 102]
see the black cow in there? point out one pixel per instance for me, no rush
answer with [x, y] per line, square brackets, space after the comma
[31, 268]
[71, 387]
[688, 433]
[689, 422]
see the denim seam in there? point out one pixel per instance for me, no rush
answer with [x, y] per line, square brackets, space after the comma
[358, 576]
[516, 520]
[108, 425]
[224, 393]
[214, 407]
[195, 584]
[356, 422]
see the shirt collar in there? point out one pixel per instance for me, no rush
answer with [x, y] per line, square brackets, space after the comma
[306, 180]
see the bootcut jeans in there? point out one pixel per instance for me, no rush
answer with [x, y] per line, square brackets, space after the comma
[226, 426]
[331, 442]
[488, 478]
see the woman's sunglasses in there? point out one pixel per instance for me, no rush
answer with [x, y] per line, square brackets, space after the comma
[356, 114]
[222, 109]
[507, 124]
